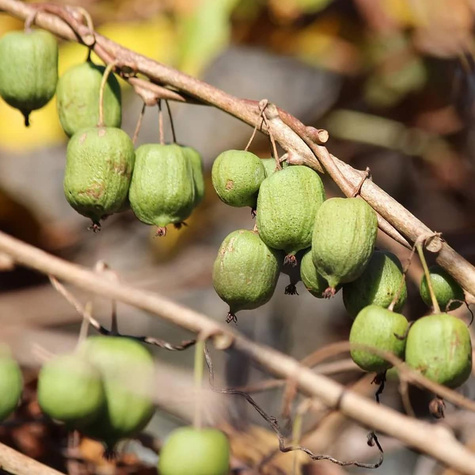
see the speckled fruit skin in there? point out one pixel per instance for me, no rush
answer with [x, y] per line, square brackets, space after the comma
[439, 346]
[286, 207]
[313, 281]
[195, 451]
[237, 176]
[376, 326]
[99, 164]
[445, 288]
[70, 390]
[343, 239]
[162, 190]
[245, 271]
[77, 98]
[28, 69]
[11, 383]
[128, 374]
[198, 178]
[377, 285]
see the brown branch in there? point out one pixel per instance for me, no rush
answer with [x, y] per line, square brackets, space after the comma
[14, 462]
[435, 441]
[295, 138]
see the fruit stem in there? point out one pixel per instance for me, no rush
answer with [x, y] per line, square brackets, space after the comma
[114, 323]
[139, 124]
[105, 76]
[172, 125]
[85, 323]
[198, 373]
[435, 304]
[161, 134]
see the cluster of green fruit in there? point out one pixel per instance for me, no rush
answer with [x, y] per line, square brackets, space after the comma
[104, 174]
[437, 345]
[334, 240]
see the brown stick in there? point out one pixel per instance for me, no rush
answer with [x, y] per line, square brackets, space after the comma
[12, 461]
[435, 441]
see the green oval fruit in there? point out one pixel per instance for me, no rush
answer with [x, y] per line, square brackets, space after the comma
[313, 281]
[343, 239]
[198, 178]
[270, 166]
[70, 390]
[286, 207]
[11, 383]
[77, 98]
[162, 190]
[195, 451]
[245, 271]
[237, 176]
[99, 164]
[381, 329]
[28, 69]
[447, 291]
[128, 375]
[377, 285]
[439, 346]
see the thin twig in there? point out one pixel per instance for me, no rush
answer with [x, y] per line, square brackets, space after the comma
[274, 424]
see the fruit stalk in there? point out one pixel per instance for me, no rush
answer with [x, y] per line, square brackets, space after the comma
[420, 251]
[198, 373]
[107, 71]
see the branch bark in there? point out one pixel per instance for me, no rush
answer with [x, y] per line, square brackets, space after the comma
[12, 461]
[436, 441]
[301, 143]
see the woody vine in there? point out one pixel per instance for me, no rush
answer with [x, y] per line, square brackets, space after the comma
[304, 146]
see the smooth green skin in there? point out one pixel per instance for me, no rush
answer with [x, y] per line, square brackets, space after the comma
[70, 390]
[313, 281]
[195, 451]
[128, 374]
[11, 383]
[376, 327]
[236, 176]
[377, 285]
[439, 346]
[99, 164]
[343, 239]
[162, 190]
[269, 165]
[198, 178]
[445, 288]
[28, 69]
[245, 271]
[286, 207]
[77, 98]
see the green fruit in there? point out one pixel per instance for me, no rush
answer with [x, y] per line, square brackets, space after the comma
[343, 239]
[11, 383]
[439, 346]
[377, 285]
[162, 190]
[245, 271]
[286, 207]
[237, 176]
[381, 329]
[445, 289]
[197, 166]
[70, 390]
[270, 166]
[99, 164]
[195, 451]
[77, 98]
[28, 69]
[313, 281]
[128, 375]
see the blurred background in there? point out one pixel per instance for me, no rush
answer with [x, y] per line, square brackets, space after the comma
[393, 81]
